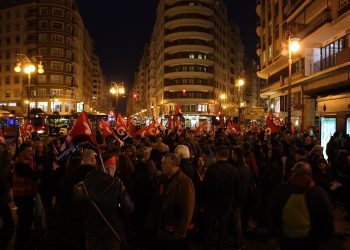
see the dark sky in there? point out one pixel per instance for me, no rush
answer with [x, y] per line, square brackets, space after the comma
[120, 31]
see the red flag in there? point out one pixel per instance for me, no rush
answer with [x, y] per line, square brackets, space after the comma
[2, 137]
[121, 128]
[271, 127]
[231, 129]
[177, 110]
[107, 131]
[26, 130]
[147, 130]
[170, 123]
[81, 128]
[130, 124]
[203, 127]
[120, 122]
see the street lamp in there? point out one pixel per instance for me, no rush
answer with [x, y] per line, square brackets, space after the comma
[293, 46]
[240, 84]
[29, 65]
[117, 89]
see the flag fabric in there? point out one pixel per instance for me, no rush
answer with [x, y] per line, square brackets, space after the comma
[81, 129]
[107, 131]
[231, 129]
[2, 137]
[121, 128]
[170, 123]
[147, 130]
[130, 124]
[203, 127]
[271, 127]
[26, 131]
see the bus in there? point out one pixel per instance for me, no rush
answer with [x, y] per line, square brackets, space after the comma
[10, 123]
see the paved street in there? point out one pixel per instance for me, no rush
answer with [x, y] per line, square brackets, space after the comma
[338, 242]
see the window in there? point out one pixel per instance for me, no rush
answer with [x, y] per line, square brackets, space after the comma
[8, 28]
[43, 38]
[56, 92]
[57, 25]
[56, 79]
[18, 40]
[41, 92]
[348, 126]
[8, 67]
[43, 25]
[69, 16]
[328, 127]
[69, 54]
[69, 41]
[18, 26]
[43, 106]
[56, 65]
[17, 93]
[44, 11]
[42, 51]
[68, 80]
[57, 38]
[32, 38]
[41, 78]
[69, 29]
[57, 12]
[69, 67]
[8, 54]
[16, 79]
[57, 52]
[7, 93]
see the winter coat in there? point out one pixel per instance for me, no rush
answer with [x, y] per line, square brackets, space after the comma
[173, 207]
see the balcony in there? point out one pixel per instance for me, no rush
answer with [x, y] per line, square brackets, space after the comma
[302, 30]
[188, 95]
[258, 7]
[343, 9]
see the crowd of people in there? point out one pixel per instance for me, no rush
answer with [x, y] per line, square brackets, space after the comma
[164, 192]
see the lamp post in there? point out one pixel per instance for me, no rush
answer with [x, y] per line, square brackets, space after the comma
[293, 46]
[29, 65]
[240, 84]
[117, 89]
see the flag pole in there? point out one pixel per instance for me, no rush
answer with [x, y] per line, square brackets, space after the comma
[103, 165]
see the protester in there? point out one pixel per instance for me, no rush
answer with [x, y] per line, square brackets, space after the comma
[25, 186]
[220, 194]
[172, 208]
[301, 213]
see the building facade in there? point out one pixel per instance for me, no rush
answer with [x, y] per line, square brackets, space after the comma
[319, 71]
[54, 31]
[193, 59]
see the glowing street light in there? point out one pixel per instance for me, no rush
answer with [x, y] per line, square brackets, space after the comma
[30, 65]
[293, 47]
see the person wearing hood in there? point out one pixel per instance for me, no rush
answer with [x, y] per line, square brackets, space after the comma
[301, 214]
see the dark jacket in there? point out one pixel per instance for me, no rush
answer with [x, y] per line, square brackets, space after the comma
[221, 186]
[319, 206]
[109, 194]
[173, 207]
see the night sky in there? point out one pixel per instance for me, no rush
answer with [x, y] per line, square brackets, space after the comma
[120, 31]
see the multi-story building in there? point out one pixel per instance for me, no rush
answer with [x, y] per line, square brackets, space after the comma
[53, 30]
[320, 82]
[194, 57]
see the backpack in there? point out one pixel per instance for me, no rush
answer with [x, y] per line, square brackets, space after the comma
[295, 217]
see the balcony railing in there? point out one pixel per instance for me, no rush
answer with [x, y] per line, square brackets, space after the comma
[189, 68]
[189, 94]
[188, 42]
[188, 81]
[303, 30]
[188, 28]
[187, 3]
[188, 15]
